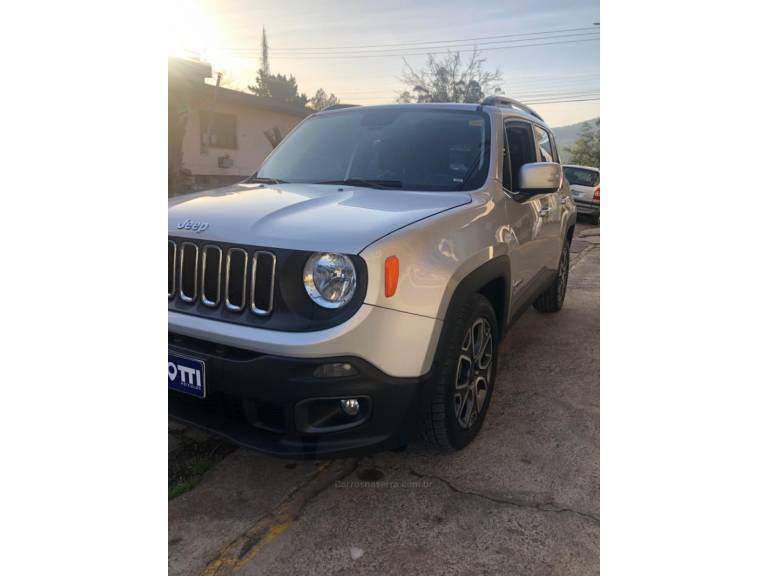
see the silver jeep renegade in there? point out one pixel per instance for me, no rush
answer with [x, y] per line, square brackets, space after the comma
[355, 290]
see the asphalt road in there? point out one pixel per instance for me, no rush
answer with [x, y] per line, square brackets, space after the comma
[522, 499]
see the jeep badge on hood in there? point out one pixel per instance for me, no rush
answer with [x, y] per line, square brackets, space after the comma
[192, 225]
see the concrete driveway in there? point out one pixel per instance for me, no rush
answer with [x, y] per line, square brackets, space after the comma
[522, 499]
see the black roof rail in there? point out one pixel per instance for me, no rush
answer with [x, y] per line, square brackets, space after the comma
[339, 107]
[504, 102]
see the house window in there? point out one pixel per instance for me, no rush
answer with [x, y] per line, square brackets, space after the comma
[221, 129]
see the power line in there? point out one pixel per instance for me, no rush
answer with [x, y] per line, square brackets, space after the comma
[557, 92]
[551, 82]
[400, 51]
[563, 101]
[457, 44]
[555, 76]
[346, 57]
[421, 42]
[427, 49]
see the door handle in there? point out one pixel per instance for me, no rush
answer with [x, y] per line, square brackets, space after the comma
[544, 211]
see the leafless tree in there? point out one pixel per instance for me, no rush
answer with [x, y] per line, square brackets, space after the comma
[450, 80]
[321, 100]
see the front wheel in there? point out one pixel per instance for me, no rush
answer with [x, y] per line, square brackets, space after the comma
[551, 300]
[464, 377]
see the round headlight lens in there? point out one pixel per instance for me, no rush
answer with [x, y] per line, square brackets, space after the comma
[330, 279]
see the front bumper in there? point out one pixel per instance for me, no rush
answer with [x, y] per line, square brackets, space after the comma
[397, 343]
[591, 208]
[273, 404]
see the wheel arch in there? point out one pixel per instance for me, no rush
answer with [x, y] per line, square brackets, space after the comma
[492, 280]
[568, 226]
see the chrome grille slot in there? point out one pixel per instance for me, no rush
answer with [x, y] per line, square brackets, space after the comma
[235, 277]
[210, 293]
[262, 283]
[171, 268]
[188, 273]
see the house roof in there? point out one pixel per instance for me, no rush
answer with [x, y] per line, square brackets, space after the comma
[245, 99]
[189, 76]
[189, 70]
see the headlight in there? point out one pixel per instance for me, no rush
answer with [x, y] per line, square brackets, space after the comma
[330, 279]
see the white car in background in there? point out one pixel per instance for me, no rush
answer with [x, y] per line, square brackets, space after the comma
[585, 189]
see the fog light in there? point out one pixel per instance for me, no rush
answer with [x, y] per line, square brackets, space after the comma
[335, 370]
[350, 406]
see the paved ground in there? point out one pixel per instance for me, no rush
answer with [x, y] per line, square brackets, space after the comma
[522, 499]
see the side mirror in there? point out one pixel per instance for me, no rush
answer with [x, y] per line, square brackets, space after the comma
[540, 177]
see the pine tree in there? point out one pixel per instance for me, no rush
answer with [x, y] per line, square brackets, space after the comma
[275, 86]
[586, 150]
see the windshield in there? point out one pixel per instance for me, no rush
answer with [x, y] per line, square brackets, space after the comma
[582, 177]
[386, 148]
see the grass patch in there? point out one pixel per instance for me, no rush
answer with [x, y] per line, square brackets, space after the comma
[188, 463]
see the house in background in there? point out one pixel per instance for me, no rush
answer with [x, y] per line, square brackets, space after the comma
[226, 133]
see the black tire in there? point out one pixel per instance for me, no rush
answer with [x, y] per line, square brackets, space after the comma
[443, 426]
[551, 300]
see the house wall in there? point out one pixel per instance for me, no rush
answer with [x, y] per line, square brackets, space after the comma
[252, 144]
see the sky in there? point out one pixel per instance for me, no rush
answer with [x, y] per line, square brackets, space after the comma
[355, 49]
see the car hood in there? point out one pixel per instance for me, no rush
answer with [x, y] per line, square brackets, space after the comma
[303, 216]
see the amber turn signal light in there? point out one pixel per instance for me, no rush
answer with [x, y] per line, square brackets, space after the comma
[391, 275]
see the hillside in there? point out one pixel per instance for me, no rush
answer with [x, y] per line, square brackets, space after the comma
[565, 136]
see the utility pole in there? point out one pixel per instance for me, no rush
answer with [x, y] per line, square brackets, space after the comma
[264, 52]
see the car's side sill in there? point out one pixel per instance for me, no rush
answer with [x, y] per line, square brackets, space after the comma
[524, 298]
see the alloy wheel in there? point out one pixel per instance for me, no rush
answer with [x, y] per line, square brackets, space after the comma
[473, 373]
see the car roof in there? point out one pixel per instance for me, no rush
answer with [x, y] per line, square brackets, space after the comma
[440, 106]
[420, 106]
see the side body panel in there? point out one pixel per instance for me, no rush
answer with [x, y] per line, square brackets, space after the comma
[553, 210]
[529, 224]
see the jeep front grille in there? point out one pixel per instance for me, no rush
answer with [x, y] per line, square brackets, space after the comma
[235, 278]
[217, 276]
[211, 290]
[262, 280]
[171, 268]
[188, 278]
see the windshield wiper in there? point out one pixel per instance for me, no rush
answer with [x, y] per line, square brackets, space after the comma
[378, 184]
[257, 180]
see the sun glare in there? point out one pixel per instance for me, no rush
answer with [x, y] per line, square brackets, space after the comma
[191, 27]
